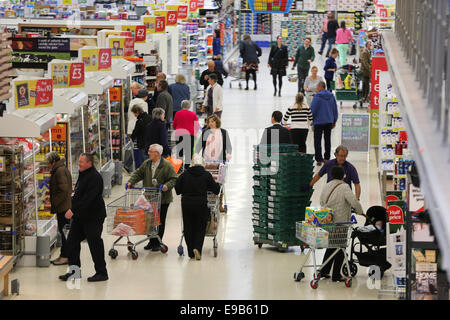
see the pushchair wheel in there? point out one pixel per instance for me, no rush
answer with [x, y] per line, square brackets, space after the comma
[298, 276]
[353, 269]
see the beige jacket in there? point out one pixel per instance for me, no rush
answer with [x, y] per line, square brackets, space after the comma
[341, 201]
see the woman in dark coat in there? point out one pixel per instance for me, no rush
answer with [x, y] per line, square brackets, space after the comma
[157, 132]
[139, 133]
[250, 52]
[278, 63]
[193, 186]
[60, 199]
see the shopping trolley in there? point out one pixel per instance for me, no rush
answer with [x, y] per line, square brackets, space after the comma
[213, 207]
[352, 94]
[236, 71]
[324, 236]
[133, 214]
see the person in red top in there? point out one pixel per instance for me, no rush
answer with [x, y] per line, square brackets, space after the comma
[186, 126]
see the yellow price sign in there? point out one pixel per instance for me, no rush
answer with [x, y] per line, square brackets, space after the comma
[284, 33]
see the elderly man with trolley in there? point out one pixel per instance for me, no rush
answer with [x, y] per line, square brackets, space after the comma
[155, 172]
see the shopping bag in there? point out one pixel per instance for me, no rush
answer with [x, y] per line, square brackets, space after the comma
[176, 163]
[134, 218]
[143, 203]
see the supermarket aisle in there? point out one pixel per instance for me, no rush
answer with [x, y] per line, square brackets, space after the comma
[241, 270]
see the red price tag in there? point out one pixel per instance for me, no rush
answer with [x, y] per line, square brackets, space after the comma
[160, 24]
[193, 6]
[182, 12]
[141, 34]
[44, 92]
[76, 74]
[172, 18]
[200, 4]
[105, 59]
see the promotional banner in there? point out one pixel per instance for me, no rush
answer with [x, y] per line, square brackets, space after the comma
[379, 65]
[139, 33]
[115, 94]
[172, 18]
[155, 24]
[67, 75]
[121, 47]
[30, 94]
[182, 10]
[192, 5]
[96, 59]
[200, 4]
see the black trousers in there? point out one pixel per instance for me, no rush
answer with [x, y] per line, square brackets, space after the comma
[280, 81]
[302, 75]
[195, 219]
[328, 81]
[366, 87]
[336, 261]
[247, 75]
[185, 143]
[299, 138]
[162, 217]
[62, 221]
[92, 231]
[325, 131]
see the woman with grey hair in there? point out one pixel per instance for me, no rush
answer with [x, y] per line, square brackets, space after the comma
[60, 198]
[180, 91]
[193, 185]
[186, 126]
[156, 132]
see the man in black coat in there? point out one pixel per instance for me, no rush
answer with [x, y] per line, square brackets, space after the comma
[88, 213]
[280, 134]
[205, 75]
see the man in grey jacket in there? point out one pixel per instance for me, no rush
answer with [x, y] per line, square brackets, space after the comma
[165, 100]
[338, 196]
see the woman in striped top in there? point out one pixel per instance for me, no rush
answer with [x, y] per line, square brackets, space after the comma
[301, 121]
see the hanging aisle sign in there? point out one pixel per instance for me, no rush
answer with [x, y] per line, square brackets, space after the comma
[379, 66]
[31, 94]
[139, 33]
[67, 75]
[121, 47]
[182, 10]
[172, 18]
[96, 59]
[192, 5]
[155, 24]
[200, 4]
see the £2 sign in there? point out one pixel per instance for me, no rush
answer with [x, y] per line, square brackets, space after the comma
[104, 59]
[172, 18]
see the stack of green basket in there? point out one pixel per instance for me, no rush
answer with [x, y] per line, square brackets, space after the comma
[278, 201]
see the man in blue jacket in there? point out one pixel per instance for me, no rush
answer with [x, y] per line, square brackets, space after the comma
[325, 115]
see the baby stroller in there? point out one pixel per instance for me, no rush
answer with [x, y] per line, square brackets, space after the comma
[373, 240]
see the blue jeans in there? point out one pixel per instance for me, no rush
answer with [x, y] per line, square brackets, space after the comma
[331, 41]
[324, 41]
[139, 157]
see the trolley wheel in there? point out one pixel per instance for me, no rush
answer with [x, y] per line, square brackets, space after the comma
[164, 248]
[215, 252]
[348, 282]
[314, 284]
[134, 255]
[226, 208]
[317, 275]
[353, 269]
[260, 245]
[180, 250]
[130, 246]
[113, 253]
[298, 276]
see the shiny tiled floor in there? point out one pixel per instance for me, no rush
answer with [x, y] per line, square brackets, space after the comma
[241, 270]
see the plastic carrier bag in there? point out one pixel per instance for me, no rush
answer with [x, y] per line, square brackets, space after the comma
[123, 230]
[143, 203]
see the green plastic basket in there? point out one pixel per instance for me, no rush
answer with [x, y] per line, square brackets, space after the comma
[259, 223]
[259, 191]
[259, 229]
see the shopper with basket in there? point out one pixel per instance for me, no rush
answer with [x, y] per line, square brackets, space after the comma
[193, 186]
[250, 52]
[156, 172]
[338, 196]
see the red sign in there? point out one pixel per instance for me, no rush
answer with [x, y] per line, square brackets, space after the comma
[128, 50]
[160, 24]
[200, 4]
[76, 74]
[182, 12]
[172, 17]
[395, 214]
[115, 94]
[44, 91]
[141, 34]
[104, 58]
[192, 5]
[59, 132]
[391, 198]
[379, 65]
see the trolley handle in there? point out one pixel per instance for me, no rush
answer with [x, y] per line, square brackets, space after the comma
[352, 221]
[144, 188]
